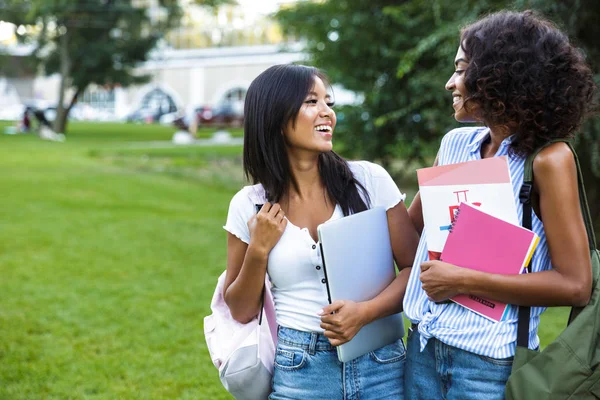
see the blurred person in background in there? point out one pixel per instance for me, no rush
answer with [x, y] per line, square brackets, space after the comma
[26, 121]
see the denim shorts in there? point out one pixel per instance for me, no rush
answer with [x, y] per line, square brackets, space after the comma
[307, 367]
[441, 371]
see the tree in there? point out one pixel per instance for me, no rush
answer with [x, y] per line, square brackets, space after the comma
[92, 41]
[399, 55]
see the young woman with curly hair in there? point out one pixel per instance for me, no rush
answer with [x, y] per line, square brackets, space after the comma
[519, 76]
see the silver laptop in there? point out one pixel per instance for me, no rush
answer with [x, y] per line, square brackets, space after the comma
[358, 264]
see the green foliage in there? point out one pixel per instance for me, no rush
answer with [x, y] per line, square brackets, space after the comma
[399, 55]
[85, 42]
[93, 41]
[214, 3]
[107, 39]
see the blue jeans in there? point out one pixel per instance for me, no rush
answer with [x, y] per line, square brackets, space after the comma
[446, 372]
[307, 368]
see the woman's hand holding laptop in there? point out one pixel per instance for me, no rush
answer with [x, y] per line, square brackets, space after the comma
[342, 320]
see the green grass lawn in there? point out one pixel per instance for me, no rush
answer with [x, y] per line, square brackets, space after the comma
[116, 131]
[107, 273]
[108, 259]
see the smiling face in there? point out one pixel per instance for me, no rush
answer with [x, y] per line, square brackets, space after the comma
[312, 130]
[456, 85]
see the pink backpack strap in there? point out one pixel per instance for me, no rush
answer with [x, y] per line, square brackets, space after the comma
[257, 194]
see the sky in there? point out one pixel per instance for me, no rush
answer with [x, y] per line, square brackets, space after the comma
[6, 31]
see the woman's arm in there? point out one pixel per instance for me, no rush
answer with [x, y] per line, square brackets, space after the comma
[247, 263]
[404, 242]
[569, 283]
[343, 319]
[415, 211]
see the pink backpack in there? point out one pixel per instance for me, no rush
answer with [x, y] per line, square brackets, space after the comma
[243, 353]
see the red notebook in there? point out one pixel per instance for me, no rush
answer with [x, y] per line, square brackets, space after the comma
[482, 242]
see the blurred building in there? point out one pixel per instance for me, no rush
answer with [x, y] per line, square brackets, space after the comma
[208, 61]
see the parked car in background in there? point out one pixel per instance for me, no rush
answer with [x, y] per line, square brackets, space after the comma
[224, 114]
[154, 105]
[149, 115]
[204, 114]
[228, 112]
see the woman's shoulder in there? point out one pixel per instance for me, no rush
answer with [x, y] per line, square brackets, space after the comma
[464, 132]
[241, 209]
[458, 140]
[378, 183]
[249, 196]
[554, 158]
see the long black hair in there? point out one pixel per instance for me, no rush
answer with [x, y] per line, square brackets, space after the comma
[273, 100]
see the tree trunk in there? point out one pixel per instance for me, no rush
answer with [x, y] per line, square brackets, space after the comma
[60, 122]
[73, 101]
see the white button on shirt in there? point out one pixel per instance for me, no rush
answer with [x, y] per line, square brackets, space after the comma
[294, 265]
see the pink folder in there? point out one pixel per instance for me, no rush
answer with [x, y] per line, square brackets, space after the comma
[482, 242]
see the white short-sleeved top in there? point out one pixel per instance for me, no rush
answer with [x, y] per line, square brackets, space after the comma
[294, 264]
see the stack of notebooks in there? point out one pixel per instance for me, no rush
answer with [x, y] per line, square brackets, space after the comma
[470, 217]
[485, 183]
[482, 242]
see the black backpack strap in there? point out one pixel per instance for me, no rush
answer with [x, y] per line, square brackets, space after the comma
[257, 208]
[526, 199]
[525, 312]
[262, 306]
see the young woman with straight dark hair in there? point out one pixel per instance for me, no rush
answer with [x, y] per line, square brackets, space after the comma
[520, 77]
[288, 131]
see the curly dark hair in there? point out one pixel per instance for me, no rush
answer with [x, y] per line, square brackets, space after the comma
[524, 73]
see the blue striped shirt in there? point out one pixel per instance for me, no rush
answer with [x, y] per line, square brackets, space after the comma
[451, 323]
